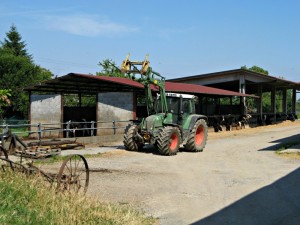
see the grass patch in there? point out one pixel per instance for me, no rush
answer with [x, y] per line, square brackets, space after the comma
[60, 158]
[29, 201]
[291, 155]
[22, 132]
[287, 145]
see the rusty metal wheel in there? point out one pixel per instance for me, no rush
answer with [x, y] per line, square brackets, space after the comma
[4, 162]
[3, 153]
[73, 175]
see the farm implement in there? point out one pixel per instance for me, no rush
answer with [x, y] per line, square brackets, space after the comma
[73, 175]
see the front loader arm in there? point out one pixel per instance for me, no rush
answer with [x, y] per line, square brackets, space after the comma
[147, 77]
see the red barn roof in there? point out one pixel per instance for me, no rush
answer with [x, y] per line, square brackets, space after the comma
[74, 82]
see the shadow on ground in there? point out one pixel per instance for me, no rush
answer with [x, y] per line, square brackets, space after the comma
[275, 204]
[151, 149]
[280, 142]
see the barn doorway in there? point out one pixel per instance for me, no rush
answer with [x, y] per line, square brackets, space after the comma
[79, 115]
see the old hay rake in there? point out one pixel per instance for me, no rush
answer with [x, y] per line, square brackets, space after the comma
[73, 175]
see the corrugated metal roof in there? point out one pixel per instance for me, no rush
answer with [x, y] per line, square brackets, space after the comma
[195, 88]
[86, 83]
[171, 86]
[235, 71]
[119, 80]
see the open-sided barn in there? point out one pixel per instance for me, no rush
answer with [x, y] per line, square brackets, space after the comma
[280, 93]
[116, 99]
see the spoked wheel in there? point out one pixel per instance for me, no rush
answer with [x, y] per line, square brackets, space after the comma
[73, 175]
[3, 157]
[5, 163]
[3, 153]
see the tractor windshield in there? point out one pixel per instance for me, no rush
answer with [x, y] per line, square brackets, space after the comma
[173, 105]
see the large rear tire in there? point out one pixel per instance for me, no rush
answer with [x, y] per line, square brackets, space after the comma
[197, 139]
[130, 140]
[169, 140]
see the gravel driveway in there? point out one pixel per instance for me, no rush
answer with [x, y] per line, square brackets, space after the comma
[238, 179]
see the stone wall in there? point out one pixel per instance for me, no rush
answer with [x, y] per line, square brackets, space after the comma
[114, 106]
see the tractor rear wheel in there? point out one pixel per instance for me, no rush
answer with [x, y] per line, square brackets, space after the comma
[169, 140]
[197, 139]
[130, 141]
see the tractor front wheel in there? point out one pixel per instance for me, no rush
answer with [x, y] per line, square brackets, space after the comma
[131, 143]
[169, 140]
[197, 139]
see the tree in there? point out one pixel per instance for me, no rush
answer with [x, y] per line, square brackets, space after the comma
[266, 96]
[18, 71]
[4, 100]
[13, 43]
[256, 69]
[109, 69]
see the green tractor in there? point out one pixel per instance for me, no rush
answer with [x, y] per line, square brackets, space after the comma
[171, 120]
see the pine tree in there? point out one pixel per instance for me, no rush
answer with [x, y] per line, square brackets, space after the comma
[14, 44]
[17, 71]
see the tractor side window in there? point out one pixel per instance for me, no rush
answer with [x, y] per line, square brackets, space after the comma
[172, 103]
[186, 106]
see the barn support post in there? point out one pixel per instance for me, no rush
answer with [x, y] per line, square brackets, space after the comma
[273, 101]
[284, 100]
[79, 96]
[242, 89]
[294, 96]
[259, 101]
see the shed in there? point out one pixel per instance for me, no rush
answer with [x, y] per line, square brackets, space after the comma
[252, 83]
[116, 98]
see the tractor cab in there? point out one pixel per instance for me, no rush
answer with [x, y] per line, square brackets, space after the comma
[179, 105]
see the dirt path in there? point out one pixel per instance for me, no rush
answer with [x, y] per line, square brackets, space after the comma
[238, 179]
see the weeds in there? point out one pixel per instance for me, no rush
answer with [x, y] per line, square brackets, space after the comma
[287, 145]
[31, 201]
[292, 155]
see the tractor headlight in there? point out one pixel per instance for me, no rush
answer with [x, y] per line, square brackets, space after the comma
[146, 137]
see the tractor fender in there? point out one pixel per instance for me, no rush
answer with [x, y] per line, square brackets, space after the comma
[176, 125]
[189, 124]
[193, 119]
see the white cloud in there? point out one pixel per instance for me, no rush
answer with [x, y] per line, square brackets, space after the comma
[86, 25]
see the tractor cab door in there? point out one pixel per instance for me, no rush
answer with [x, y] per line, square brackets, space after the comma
[173, 105]
[186, 109]
[179, 107]
[174, 108]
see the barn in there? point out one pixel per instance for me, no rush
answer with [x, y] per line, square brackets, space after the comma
[279, 94]
[103, 102]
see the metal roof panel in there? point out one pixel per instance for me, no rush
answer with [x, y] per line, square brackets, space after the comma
[75, 80]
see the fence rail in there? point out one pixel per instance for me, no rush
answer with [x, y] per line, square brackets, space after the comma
[69, 128]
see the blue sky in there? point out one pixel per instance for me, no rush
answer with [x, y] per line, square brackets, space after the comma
[183, 38]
